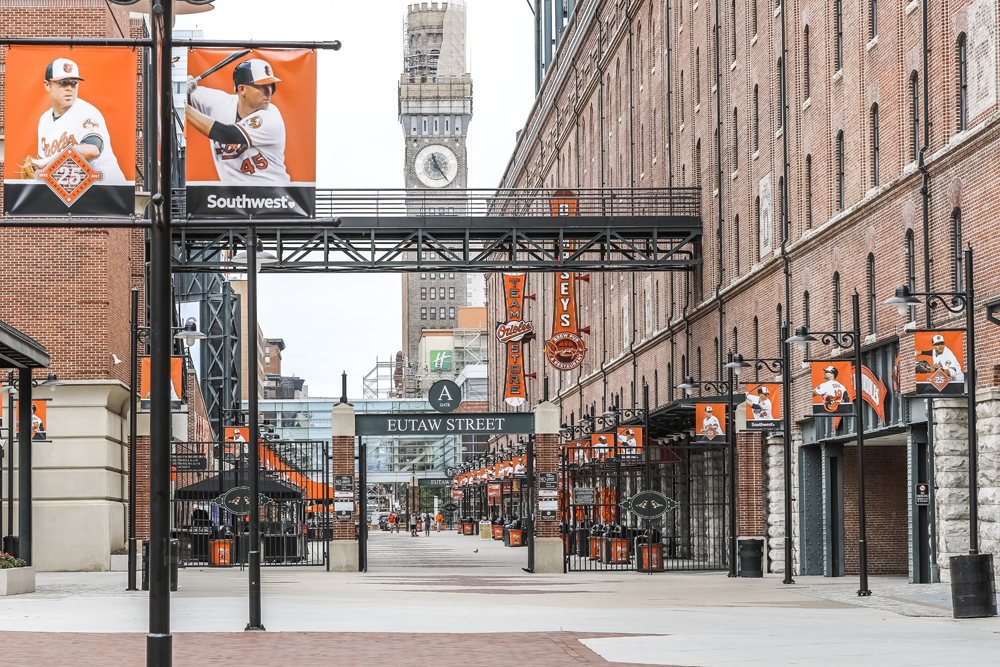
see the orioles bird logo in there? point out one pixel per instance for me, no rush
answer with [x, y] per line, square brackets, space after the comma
[832, 401]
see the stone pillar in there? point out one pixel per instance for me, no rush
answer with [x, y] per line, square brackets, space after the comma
[988, 426]
[344, 546]
[548, 543]
[774, 503]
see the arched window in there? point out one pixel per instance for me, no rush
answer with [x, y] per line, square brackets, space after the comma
[736, 139]
[697, 75]
[697, 163]
[836, 301]
[872, 19]
[838, 37]
[875, 146]
[736, 243]
[781, 96]
[872, 302]
[756, 338]
[963, 84]
[956, 249]
[732, 22]
[779, 210]
[809, 191]
[805, 316]
[805, 62]
[914, 115]
[911, 269]
[841, 185]
[756, 119]
[682, 94]
[757, 224]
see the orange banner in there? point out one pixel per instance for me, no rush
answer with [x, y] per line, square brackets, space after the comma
[710, 422]
[629, 441]
[565, 349]
[176, 382]
[512, 332]
[939, 366]
[763, 407]
[833, 388]
[39, 418]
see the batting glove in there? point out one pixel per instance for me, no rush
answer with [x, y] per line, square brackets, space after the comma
[192, 85]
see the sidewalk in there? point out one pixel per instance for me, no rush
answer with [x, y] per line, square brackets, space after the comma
[488, 611]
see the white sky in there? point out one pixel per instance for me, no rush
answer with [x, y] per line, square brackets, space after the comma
[332, 323]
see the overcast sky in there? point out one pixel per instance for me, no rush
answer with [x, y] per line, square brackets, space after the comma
[335, 323]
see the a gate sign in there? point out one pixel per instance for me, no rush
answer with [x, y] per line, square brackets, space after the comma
[433, 481]
[237, 500]
[444, 396]
[650, 504]
[473, 423]
[922, 494]
[584, 495]
[449, 507]
[548, 481]
[188, 462]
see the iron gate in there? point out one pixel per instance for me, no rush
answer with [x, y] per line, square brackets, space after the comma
[600, 533]
[210, 486]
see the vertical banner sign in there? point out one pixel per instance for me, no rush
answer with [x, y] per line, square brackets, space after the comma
[873, 391]
[763, 407]
[565, 349]
[250, 125]
[939, 370]
[512, 333]
[39, 419]
[833, 388]
[69, 131]
[176, 382]
[710, 422]
[628, 441]
[600, 446]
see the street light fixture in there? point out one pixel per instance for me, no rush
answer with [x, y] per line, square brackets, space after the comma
[848, 339]
[982, 601]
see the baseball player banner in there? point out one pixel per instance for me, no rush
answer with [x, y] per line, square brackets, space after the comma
[628, 441]
[939, 370]
[70, 131]
[176, 382]
[250, 126]
[763, 411]
[710, 422]
[39, 419]
[601, 446]
[833, 388]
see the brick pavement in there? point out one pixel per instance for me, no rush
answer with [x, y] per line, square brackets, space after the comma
[286, 648]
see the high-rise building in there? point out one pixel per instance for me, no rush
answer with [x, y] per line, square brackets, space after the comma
[435, 109]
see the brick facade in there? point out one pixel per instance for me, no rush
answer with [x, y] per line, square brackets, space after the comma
[342, 449]
[750, 485]
[606, 116]
[885, 509]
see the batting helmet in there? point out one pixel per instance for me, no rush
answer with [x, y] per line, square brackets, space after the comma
[255, 71]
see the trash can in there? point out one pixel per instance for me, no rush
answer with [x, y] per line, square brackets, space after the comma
[596, 542]
[751, 558]
[470, 526]
[220, 552]
[973, 587]
[497, 529]
[615, 548]
[582, 535]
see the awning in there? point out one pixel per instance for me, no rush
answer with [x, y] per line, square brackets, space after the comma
[207, 489]
[19, 350]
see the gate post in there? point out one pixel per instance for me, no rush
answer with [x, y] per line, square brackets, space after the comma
[344, 546]
[548, 543]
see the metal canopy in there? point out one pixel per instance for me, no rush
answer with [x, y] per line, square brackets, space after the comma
[18, 350]
[463, 230]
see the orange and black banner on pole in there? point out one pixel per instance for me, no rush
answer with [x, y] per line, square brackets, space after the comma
[565, 349]
[513, 333]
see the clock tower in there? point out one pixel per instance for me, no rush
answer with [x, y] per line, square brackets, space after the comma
[435, 109]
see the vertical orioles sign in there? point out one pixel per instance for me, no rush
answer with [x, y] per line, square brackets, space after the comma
[69, 126]
[565, 349]
[513, 332]
[251, 133]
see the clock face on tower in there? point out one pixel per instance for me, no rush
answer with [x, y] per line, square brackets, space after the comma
[436, 166]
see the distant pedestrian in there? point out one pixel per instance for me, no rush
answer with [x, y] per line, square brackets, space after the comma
[439, 520]
[427, 524]
[413, 524]
[396, 520]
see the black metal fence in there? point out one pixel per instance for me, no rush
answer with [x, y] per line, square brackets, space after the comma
[601, 533]
[211, 486]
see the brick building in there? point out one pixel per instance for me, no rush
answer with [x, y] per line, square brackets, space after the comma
[800, 208]
[69, 288]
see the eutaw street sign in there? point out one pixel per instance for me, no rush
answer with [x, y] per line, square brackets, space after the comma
[430, 424]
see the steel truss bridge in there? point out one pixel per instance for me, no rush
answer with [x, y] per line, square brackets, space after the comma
[606, 229]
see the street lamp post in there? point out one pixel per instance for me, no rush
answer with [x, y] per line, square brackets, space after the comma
[844, 339]
[976, 598]
[775, 365]
[724, 387]
[10, 390]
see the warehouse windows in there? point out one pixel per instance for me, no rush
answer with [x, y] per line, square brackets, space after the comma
[872, 297]
[914, 116]
[840, 171]
[838, 35]
[872, 19]
[781, 95]
[756, 119]
[956, 249]
[736, 139]
[963, 84]
[805, 63]
[836, 301]
[911, 270]
[875, 144]
[809, 191]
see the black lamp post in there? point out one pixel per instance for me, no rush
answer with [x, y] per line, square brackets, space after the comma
[973, 598]
[849, 339]
[10, 389]
[724, 387]
[775, 365]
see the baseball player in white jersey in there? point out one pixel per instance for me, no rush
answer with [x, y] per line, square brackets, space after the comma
[74, 122]
[247, 131]
[761, 403]
[831, 390]
[710, 426]
[942, 357]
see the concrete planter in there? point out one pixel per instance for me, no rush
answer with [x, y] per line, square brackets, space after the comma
[119, 562]
[17, 580]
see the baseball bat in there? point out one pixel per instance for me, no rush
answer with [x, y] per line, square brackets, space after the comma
[222, 63]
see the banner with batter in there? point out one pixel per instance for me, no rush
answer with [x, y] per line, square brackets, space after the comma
[710, 422]
[69, 131]
[939, 369]
[833, 388]
[250, 126]
[513, 333]
[763, 407]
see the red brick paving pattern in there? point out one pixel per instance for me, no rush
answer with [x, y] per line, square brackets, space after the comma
[307, 648]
